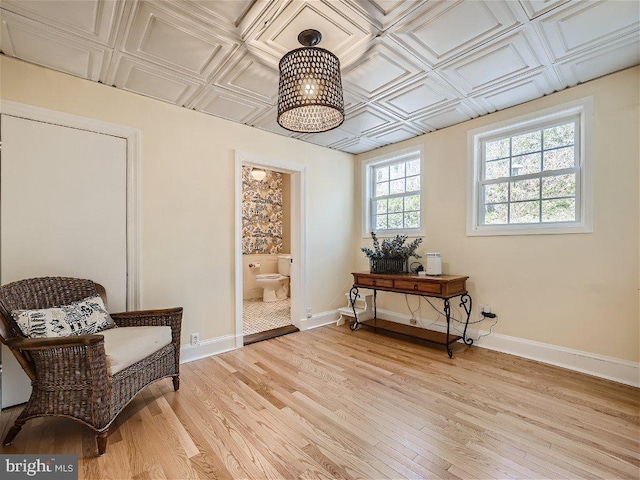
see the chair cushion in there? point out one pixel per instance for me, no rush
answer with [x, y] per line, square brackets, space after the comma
[125, 346]
[84, 317]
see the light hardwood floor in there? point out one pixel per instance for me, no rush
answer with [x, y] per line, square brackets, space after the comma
[329, 403]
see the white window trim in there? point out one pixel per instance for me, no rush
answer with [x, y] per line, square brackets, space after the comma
[584, 109]
[366, 182]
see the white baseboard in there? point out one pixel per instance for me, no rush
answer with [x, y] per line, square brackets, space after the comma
[610, 368]
[207, 348]
[318, 320]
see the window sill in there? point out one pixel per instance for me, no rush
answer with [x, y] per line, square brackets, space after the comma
[486, 231]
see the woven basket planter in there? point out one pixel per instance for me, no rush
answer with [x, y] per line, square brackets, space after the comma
[388, 265]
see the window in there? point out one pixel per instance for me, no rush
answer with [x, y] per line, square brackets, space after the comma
[530, 176]
[392, 192]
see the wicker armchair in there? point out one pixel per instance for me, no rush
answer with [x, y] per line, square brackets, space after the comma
[70, 375]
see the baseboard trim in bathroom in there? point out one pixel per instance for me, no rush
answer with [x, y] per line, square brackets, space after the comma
[267, 334]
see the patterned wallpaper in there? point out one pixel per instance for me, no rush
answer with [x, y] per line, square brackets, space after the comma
[261, 213]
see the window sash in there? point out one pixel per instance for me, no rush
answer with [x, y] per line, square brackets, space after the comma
[373, 198]
[515, 132]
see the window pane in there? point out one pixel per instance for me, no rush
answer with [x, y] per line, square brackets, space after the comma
[413, 184]
[382, 189]
[525, 143]
[396, 186]
[395, 220]
[496, 169]
[498, 192]
[559, 136]
[412, 220]
[382, 174]
[413, 167]
[560, 158]
[412, 203]
[559, 186]
[525, 164]
[395, 204]
[525, 212]
[381, 206]
[381, 222]
[495, 214]
[525, 189]
[496, 149]
[561, 210]
[396, 171]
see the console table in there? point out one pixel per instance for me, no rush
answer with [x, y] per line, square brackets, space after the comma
[444, 287]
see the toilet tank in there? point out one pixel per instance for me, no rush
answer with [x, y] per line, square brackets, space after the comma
[284, 265]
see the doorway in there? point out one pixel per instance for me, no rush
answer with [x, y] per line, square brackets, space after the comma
[293, 175]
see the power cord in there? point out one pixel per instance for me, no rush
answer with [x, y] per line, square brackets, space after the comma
[441, 314]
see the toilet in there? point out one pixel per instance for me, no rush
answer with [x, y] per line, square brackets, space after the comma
[276, 285]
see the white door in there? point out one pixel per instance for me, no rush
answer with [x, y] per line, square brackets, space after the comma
[63, 212]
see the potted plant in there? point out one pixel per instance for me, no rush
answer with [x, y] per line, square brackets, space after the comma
[392, 254]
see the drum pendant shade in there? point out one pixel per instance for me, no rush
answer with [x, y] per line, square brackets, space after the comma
[310, 90]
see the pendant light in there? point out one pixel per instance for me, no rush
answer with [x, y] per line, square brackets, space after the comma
[310, 90]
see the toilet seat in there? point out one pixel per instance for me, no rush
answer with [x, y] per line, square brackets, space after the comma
[269, 276]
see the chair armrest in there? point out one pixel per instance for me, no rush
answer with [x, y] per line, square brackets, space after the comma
[170, 317]
[29, 344]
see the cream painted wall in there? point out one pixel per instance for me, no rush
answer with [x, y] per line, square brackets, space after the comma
[188, 193]
[578, 291]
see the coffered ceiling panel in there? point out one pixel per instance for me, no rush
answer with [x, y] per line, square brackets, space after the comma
[408, 67]
[535, 8]
[344, 33]
[136, 76]
[366, 120]
[621, 54]
[578, 26]
[384, 13]
[93, 20]
[379, 71]
[496, 62]
[164, 36]
[442, 32]
[420, 96]
[216, 101]
[247, 76]
[447, 116]
[37, 43]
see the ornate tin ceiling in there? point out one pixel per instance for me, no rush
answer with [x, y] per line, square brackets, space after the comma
[408, 67]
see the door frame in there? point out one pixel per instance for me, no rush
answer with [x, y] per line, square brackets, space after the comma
[298, 279]
[133, 138]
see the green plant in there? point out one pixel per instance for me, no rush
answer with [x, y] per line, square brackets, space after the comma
[393, 247]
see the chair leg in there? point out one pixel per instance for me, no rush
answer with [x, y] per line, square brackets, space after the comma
[176, 383]
[101, 440]
[13, 431]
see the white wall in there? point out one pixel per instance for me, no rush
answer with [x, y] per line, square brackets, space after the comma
[577, 291]
[188, 193]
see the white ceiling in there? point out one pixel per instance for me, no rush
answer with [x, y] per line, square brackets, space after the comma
[408, 67]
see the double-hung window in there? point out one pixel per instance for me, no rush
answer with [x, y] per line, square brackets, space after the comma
[392, 194]
[531, 176]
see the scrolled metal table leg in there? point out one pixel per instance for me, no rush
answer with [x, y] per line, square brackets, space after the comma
[447, 313]
[466, 302]
[353, 295]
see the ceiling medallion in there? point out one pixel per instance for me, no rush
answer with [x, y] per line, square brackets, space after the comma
[310, 91]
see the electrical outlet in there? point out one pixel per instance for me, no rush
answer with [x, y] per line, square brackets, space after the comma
[195, 339]
[309, 312]
[413, 321]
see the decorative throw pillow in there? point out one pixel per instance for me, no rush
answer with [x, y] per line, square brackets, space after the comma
[84, 317]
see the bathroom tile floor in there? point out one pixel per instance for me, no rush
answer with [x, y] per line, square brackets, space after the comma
[259, 316]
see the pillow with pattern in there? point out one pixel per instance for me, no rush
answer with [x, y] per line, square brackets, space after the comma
[84, 317]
